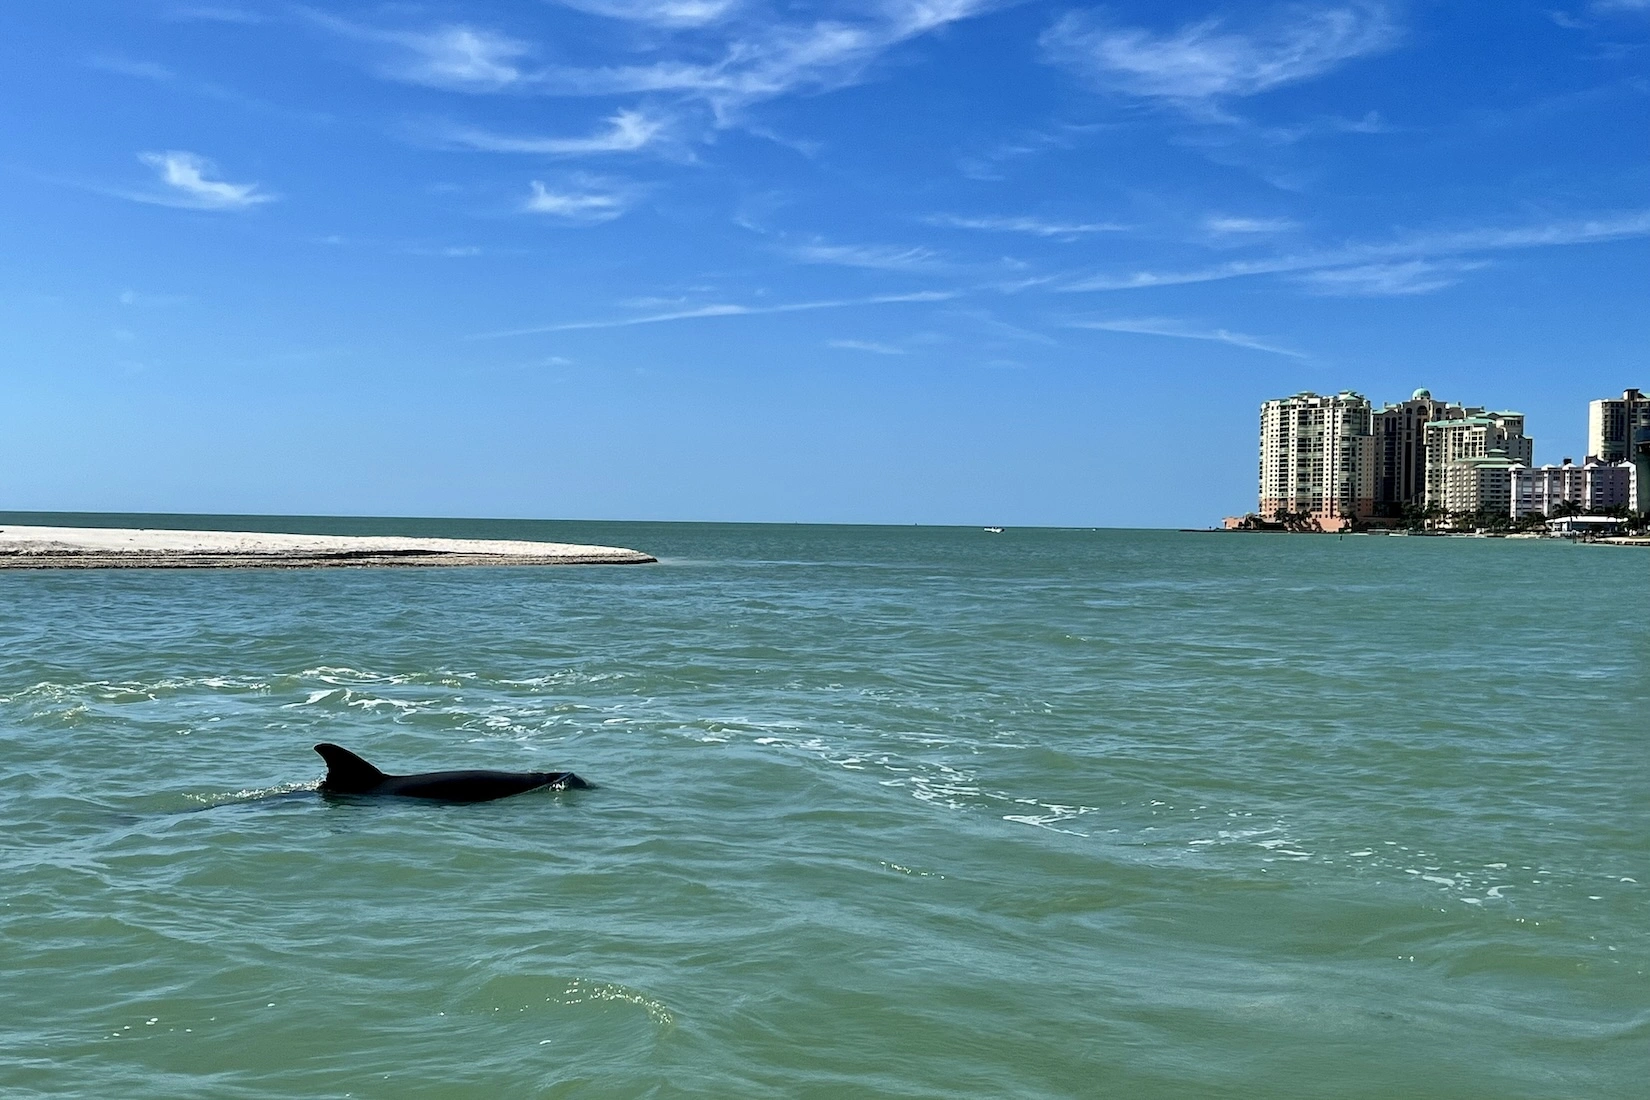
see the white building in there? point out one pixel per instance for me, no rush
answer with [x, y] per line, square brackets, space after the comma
[1573, 526]
[1543, 488]
[1314, 457]
[1611, 424]
[1618, 430]
[1479, 483]
[1451, 442]
[1593, 486]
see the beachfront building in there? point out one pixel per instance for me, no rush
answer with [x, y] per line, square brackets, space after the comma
[1479, 484]
[1544, 489]
[1314, 459]
[1618, 430]
[1398, 450]
[1613, 424]
[1607, 485]
[1450, 443]
[1586, 526]
[1593, 486]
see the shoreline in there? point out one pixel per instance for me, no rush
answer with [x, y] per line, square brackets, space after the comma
[1514, 536]
[31, 547]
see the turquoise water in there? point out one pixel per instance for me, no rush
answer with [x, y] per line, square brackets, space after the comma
[882, 812]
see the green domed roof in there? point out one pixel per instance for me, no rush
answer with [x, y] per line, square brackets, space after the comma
[1421, 395]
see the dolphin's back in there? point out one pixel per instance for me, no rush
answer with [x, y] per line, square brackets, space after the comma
[474, 786]
[349, 774]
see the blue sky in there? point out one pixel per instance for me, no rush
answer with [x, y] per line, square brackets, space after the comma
[888, 261]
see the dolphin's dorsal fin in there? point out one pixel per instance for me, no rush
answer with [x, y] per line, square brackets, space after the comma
[347, 772]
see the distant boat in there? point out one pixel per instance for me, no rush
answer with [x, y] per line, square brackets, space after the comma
[993, 530]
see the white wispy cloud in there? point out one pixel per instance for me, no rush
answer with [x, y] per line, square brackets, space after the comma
[992, 162]
[758, 59]
[1584, 231]
[139, 299]
[162, 74]
[1235, 269]
[207, 13]
[1435, 247]
[769, 63]
[658, 13]
[455, 56]
[877, 257]
[1038, 227]
[626, 132]
[462, 57]
[1370, 122]
[1180, 330]
[446, 252]
[726, 309]
[124, 66]
[1227, 225]
[868, 345]
[1597, 10]
[1211, 58]
[585, 206]
[996, 329]
[185, 176]
[1389, 280]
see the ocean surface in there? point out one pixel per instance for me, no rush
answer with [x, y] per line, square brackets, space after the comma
[882, 812]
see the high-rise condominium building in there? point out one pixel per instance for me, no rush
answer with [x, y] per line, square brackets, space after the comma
[1481, 483]
[1613, 423]
[1450, 443]
[1399, 449]
[1618, 430]
[1314, 457]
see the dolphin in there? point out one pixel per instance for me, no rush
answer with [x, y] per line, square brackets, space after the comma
[349, 774]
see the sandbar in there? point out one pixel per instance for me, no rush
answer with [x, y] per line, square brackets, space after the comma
[24, 547]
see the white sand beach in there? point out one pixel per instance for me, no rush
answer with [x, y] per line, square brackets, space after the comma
[24, 547]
